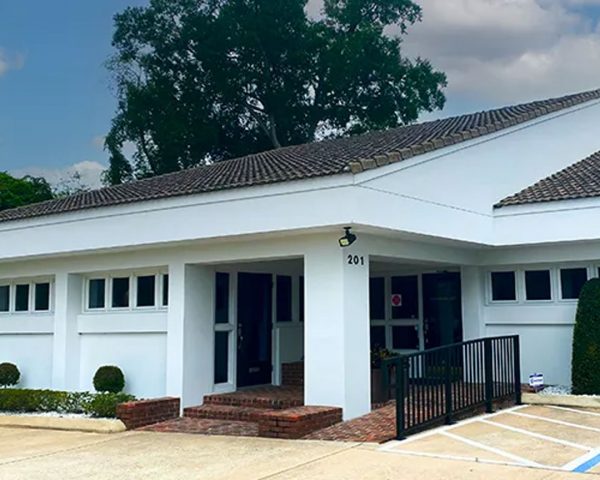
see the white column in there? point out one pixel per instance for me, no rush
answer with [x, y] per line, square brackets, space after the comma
[68, 300]
[337, 351]
[190, 335]
[473, 297]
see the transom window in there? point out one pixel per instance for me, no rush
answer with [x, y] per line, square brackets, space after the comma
[503, 286]
[126, 292]
[537, 285]
[572, 281]
[25, 296]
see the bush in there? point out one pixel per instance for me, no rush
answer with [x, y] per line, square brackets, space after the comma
[585, 366]
[9, 375]
[105, 404]
[109, 379]
[31, 401]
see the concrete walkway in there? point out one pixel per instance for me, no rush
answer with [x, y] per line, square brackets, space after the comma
[33, 454]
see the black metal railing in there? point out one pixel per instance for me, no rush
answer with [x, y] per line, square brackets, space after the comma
[439, 384]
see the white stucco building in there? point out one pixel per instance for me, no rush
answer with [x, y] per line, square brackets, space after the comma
[210, 279]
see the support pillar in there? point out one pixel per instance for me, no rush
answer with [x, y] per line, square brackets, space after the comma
[190, 333]
[337, 347]
[68, 296]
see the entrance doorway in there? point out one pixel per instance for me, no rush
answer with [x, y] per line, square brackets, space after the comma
[254, 326]
[442, 316]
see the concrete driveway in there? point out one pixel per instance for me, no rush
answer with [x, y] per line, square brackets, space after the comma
[45, 454]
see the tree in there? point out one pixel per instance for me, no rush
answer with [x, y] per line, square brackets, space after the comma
[16, 192]
[202, 80]
[585, 368]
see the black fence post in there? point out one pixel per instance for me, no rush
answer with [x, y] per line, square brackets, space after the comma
[448, 387]
[517, 367]
[488, 374]
[400, 398]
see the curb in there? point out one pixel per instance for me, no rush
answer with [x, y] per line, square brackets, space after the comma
[582, 401]
[91, 425]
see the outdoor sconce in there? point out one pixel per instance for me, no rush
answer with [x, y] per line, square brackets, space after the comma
[348, 239]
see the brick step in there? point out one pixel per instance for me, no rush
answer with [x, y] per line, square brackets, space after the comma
[256, 402]
[225, 412]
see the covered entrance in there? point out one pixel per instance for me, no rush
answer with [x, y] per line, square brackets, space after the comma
[413, 308]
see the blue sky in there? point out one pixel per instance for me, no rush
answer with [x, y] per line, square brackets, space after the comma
[55, 100]
[56, 103]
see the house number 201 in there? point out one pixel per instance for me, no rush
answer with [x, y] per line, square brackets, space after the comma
[356, 260]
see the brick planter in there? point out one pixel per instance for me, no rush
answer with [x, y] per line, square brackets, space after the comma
[148, 412]
[292, 374]
[297, 422]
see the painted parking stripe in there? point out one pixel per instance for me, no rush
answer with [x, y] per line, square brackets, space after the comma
[538, 435]
[558, 422]
[497, 451]
[574, 410]
[591, 463]
[573, 464]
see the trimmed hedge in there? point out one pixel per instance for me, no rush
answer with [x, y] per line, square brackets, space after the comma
[30, 401]
[585, 366]
[9, 375]
[109, 379]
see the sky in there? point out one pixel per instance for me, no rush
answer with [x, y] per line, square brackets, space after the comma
[56, 100]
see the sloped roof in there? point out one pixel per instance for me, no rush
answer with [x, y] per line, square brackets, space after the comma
[580, 180]
[329, 157]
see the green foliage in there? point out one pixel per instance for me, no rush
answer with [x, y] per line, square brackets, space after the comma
[105, 404]
[16, 192]
[378, 354]
[585, 371]
[9, 375]
[204, 80]
[31, 401]
[109, 379]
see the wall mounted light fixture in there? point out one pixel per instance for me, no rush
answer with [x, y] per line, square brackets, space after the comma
[348, 239]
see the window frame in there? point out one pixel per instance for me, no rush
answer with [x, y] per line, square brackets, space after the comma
[552, 283]
[589, 275]
[109, 277]
[31, 283]
[490, 287]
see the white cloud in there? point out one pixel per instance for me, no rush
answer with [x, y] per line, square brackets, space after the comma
[89, 171]
[9, 61]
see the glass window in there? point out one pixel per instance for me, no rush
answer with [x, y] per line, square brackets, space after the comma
[503, 286]
[405, 337]
[146, 291]
[165, 290]
[222, 298]
[22, 298]
[571, 282]
[284, 298]
[96, 291]
[377, 337]
[408, 290]
[221, 357]
[537, 285]
[4, 298]
[42, 297]
[377, 298]
[301, 298]
[120, 292]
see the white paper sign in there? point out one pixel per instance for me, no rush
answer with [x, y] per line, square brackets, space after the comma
[536, 380]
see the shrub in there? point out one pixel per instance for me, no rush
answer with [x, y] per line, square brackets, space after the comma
[9, 375]
[105, 404]
[585, 366]
[109, 379]
[31, 401]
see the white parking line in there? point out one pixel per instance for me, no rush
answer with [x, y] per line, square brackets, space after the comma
[538, 435]
[558, 422]
[573, 464]
[583, 412]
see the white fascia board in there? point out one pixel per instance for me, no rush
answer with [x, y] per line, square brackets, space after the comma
[550, 222]
[285, 207]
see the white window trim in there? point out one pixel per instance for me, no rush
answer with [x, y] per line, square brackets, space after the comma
[553, 290]
[108, 278]
[31, 283]
[490, 293]
[559, 269]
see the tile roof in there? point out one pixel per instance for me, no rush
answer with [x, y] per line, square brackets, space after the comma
[580, 180]
[329, 157]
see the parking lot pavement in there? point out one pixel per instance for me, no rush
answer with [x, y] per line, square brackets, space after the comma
[544, 437]
[55, 455]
